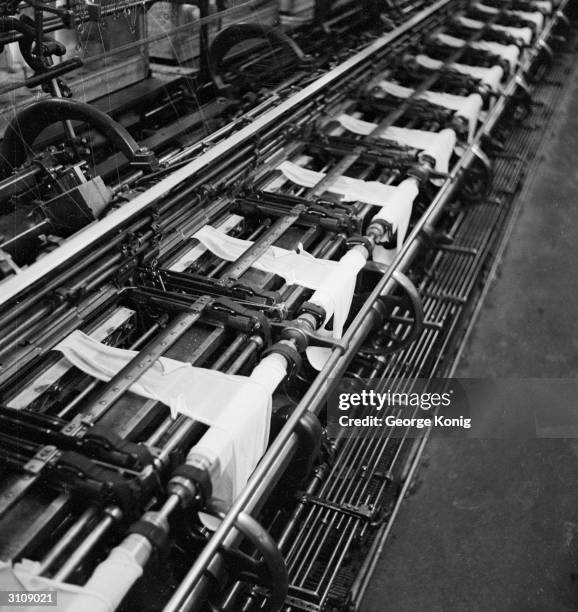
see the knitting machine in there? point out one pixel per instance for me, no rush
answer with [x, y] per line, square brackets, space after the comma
[266, 200]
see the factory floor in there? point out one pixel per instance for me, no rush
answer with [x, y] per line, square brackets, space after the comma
[493, 524]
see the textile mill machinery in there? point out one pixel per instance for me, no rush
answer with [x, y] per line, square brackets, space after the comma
[212, 214]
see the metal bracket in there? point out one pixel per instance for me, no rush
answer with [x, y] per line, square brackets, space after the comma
[367, 513]
[41, 459]
[386, 153]
[191, 284]
[318, 212]
[290, 329]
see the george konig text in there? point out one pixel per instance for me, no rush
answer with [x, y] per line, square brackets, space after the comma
[392, 421]
[437, 421]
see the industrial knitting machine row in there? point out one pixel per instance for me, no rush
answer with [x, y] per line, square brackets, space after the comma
[165, 369]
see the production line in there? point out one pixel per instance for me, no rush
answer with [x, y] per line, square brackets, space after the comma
[191, 263]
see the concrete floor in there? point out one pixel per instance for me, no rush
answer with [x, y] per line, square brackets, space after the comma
[493, 524]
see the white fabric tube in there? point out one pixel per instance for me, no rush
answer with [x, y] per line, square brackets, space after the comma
[24, 576]
[190, 257]
[396, 210]
[395, 202]
[439, 145]
[113, 579]
[489, 10]
[544, 5]
[352, 262]
[350, 189]
[304, 270]
[524, 34]
[115, 576]
[268, 373]
[468, 107]
[492, 77]
[386, 256]
[238, 407]
[408, 192]
[533, 16]
[242, 412]
[295, 268]
[226, 481]
[510, 53]
[395, 205]
[336, 292]
[334, 282]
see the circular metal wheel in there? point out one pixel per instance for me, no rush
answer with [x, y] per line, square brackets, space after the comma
[409, 300]
[239, 35]
[23, 131]
[269, 572]
[520, 103]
